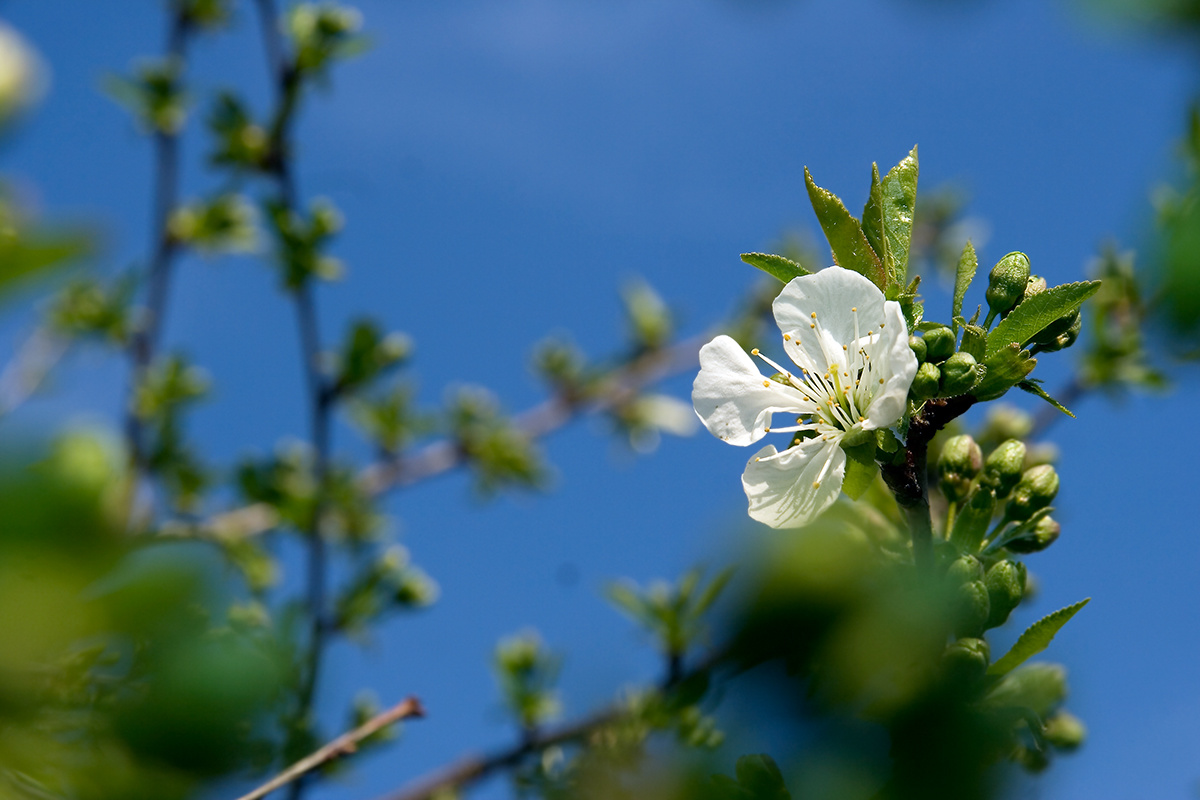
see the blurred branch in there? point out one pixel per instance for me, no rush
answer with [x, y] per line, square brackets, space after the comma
[343, 745]
[442, 456]
[28, 368]
[163, 247]
[544, 418]
[473, 768]
[287, 88]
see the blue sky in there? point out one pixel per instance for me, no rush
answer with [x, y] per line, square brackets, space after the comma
[504, 166]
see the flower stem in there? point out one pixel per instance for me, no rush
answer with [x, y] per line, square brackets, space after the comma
[909, 480]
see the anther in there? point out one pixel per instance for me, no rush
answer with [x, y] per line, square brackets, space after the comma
[767, 384]
[816, 484]
[814, 315]
[754, 352]
[855, 310]
[787, 337]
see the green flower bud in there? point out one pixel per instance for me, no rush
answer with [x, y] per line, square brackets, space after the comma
[959, 374]
[1065, 731]
[1005, 583]
[972, 521]
[1044, 534]
[967, 658]
[1064, 339]
[1004, 465]
[958, 464]
[1047, 335]
[925, 384]
[1035, 285]
[973, 607]
[939, 344]
[1006, 284]
[1036, 490]
[964, 570]
[918, 347]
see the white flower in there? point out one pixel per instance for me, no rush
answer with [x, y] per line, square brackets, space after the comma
[855, 371]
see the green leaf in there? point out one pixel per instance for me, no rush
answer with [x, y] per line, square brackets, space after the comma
[974, 340]
[760, 775]
[1005, 369]
[861, 469]
[776, 266]
[849, 244]
[713, 591]
[968, 263]
[1036, 639]
[872, 221]
[899, 189]
[1034, 387]
[1035, 313]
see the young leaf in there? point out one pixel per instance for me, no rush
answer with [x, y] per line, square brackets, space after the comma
[872, 221]
[849, 244]
[861, 470]
[967, 264]
[1032, 315]
[1033, 387]
[899, 188]
[776, 266]
[760, 775]
[1005, 369]
[1036, 639]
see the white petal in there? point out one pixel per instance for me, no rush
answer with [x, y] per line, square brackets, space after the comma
[780, 487]
[897, 367]
[832, 293]
[733, 399]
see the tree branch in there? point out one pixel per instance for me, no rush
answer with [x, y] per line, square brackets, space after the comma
[342, 746]
[473, 768]
[145, 341]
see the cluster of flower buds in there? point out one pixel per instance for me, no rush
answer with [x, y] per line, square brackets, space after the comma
[942, 372]
[997, 506]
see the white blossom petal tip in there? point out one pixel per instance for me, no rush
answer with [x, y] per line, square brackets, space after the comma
[855, 367]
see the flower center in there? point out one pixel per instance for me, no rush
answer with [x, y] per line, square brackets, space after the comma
[843, 393]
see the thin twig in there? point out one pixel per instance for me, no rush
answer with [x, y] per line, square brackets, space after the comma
[343, 745]
[145, 342]
[473, 768]
[320, 397]
[540, 420]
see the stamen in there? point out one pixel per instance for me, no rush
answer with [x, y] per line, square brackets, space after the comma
[787, 337]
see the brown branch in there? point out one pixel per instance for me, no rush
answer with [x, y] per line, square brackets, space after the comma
[472, 768]
[344, 745]
[908, 480]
